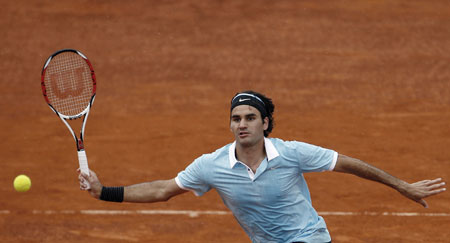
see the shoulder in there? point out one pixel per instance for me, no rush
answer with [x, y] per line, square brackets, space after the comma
[288, 145]
[294, 147]
[204, 163]
[207, 164]
[310, 157]
[221, 153]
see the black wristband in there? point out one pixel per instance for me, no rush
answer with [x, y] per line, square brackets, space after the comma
[112, 194]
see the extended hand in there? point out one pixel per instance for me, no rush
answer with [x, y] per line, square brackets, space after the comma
[419, 190]
[96, 186]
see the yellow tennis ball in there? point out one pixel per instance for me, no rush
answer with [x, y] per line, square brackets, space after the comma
[22, 183]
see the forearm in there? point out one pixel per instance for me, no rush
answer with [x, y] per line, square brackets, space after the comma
[146, 192]
[416, 191]
[359, 168]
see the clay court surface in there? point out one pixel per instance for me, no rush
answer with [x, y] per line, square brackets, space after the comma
[369, 79]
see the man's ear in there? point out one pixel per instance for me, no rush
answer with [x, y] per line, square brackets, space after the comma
[266, 123]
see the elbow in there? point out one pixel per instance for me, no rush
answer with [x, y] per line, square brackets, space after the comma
[162, 191]
[165, 193]
[164, 197]
[161, 196]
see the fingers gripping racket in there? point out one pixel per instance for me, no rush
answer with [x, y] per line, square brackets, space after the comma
[69, 86]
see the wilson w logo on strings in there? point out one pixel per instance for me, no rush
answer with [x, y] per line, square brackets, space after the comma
[65, 84]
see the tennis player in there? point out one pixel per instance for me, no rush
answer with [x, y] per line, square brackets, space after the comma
[260, 179]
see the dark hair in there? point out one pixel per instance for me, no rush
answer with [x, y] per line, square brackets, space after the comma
[269, 107]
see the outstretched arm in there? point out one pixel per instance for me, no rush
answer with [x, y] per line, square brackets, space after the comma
[147, 192]
[415, 191]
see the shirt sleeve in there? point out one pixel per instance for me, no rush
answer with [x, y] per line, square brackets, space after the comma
[193, 178]
[315, 158]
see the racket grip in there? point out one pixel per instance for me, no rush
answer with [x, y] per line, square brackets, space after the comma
[82, 159]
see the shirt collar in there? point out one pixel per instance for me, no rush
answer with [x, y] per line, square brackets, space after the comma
[271, 152]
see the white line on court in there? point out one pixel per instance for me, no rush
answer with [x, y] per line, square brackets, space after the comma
[190, 213]
[398, 214]
[197, 213]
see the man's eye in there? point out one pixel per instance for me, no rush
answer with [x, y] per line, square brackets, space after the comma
[236, 119]
[251, 118]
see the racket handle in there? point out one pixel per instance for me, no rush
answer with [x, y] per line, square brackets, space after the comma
[82, 159]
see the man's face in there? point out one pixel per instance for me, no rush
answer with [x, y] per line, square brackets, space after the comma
[247, 126]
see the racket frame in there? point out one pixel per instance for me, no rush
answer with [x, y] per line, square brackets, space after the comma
[82, 158]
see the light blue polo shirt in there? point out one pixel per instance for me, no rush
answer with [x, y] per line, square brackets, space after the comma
[273, 204]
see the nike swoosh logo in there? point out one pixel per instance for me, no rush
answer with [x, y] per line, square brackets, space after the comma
[241, 100]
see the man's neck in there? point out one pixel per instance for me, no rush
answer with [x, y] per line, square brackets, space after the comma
[252, 156]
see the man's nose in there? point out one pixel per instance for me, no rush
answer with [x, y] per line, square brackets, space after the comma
[242, 124]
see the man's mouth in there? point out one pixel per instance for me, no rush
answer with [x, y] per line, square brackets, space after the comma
[243, 134]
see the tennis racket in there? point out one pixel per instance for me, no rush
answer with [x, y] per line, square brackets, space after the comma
[69, 86]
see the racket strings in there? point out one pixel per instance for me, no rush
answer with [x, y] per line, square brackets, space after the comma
[69, 83]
